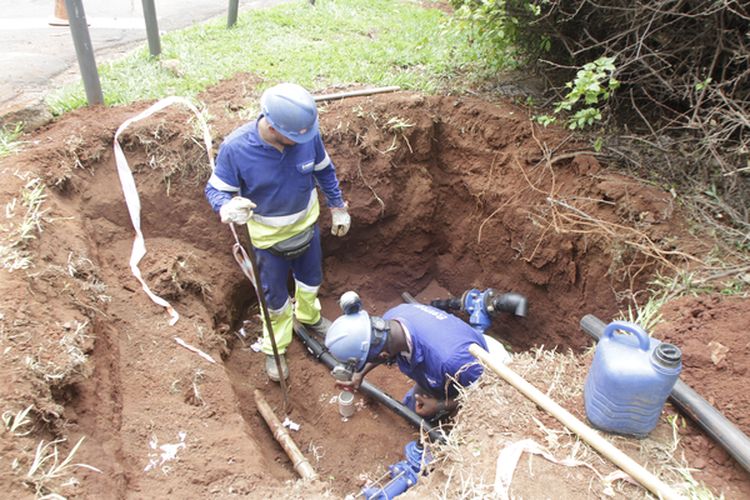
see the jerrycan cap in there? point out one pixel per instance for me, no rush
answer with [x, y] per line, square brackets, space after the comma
[667, 355]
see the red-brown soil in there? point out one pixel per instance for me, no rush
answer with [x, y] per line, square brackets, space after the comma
[712, 333]
[455, 191]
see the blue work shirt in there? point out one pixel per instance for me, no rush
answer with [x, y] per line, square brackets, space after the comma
[280, 183]
[439, 349]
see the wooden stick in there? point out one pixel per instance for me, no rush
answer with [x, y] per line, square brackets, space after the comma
[355, 93]
[301, 465]
[589, 435]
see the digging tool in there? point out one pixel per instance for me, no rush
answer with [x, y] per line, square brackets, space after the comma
[711, 420]
[249, 265]
[593, 438]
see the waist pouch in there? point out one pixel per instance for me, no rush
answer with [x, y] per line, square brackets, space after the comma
[295, 246]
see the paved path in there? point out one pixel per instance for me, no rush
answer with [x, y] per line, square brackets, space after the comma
[37, 56]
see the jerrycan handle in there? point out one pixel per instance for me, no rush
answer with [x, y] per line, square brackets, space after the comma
[643, 339]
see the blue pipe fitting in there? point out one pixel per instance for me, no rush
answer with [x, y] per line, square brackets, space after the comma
[475, 304]
[404, 474]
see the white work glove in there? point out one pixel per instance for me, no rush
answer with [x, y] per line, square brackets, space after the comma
[237, 210]
[340, 221]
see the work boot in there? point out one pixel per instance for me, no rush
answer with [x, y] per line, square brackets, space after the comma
[272, 371]
[319, 328]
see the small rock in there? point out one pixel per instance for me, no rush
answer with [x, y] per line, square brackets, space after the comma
[718, 352]
[173, 66]
[718, 455]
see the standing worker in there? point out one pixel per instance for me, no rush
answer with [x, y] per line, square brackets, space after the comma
[265, 177]
[430, 346]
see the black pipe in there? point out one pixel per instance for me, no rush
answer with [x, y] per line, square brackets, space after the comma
[321, 354]
[693, 405]
[446, 304]
[514, 303]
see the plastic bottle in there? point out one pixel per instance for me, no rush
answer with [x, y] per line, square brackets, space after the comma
[630, 379]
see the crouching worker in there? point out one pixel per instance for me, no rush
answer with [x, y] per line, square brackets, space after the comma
[430, 346]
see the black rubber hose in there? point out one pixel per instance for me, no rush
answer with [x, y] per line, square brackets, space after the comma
[321, 354]
[693, 405]
[447, 304]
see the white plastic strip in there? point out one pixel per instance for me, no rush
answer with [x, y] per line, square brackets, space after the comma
[507, 461]
[132, 199]
[197, 351]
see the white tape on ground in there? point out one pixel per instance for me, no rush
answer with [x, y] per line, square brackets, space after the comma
[132, 199]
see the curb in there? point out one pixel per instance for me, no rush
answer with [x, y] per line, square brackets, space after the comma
[32, 113]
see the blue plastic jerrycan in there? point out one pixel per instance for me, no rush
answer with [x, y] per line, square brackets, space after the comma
[629, 380]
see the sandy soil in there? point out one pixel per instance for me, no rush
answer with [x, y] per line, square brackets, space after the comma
[457, 192]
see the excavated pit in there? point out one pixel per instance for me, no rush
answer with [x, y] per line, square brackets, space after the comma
[445, 194]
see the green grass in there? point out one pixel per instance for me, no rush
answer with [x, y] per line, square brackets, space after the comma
[9, 142]
[374, 42]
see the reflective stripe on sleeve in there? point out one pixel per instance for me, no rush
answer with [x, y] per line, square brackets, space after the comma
[323, 164]
[217, 183]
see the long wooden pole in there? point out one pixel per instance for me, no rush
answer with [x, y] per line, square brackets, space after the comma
[589, 435]
[301, 465]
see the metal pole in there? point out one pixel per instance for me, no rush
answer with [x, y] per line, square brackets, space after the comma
[249, 265]
[232, 17]
[152, 27]
[80, 31]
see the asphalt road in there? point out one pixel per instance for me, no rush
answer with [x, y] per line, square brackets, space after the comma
[37, 56]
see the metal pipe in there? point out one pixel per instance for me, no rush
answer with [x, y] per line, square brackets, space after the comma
[355, 93]
[321, 354]
[698, 409]
[82, 41]
[152, 27]
[232, 16]
[249, 259]
[301, 465]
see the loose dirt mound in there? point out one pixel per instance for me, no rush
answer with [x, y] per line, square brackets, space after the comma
[712, 333]
[442, 190]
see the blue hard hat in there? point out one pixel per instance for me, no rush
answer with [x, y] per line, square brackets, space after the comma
[348, 339]
[352, 340]
[291, 110]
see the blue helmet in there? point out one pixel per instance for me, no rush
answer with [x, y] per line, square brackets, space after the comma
[355, 338]
[291, 110]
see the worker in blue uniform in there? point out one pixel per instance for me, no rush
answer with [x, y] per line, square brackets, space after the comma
[266, 176]
[429, 345]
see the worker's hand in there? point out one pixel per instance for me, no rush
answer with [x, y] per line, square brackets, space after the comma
[237, 210]
[340, 221]
[352, 384]
[427, 406]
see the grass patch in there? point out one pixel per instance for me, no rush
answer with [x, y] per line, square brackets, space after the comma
[375, 42]
[16, 236]
[9, 142]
